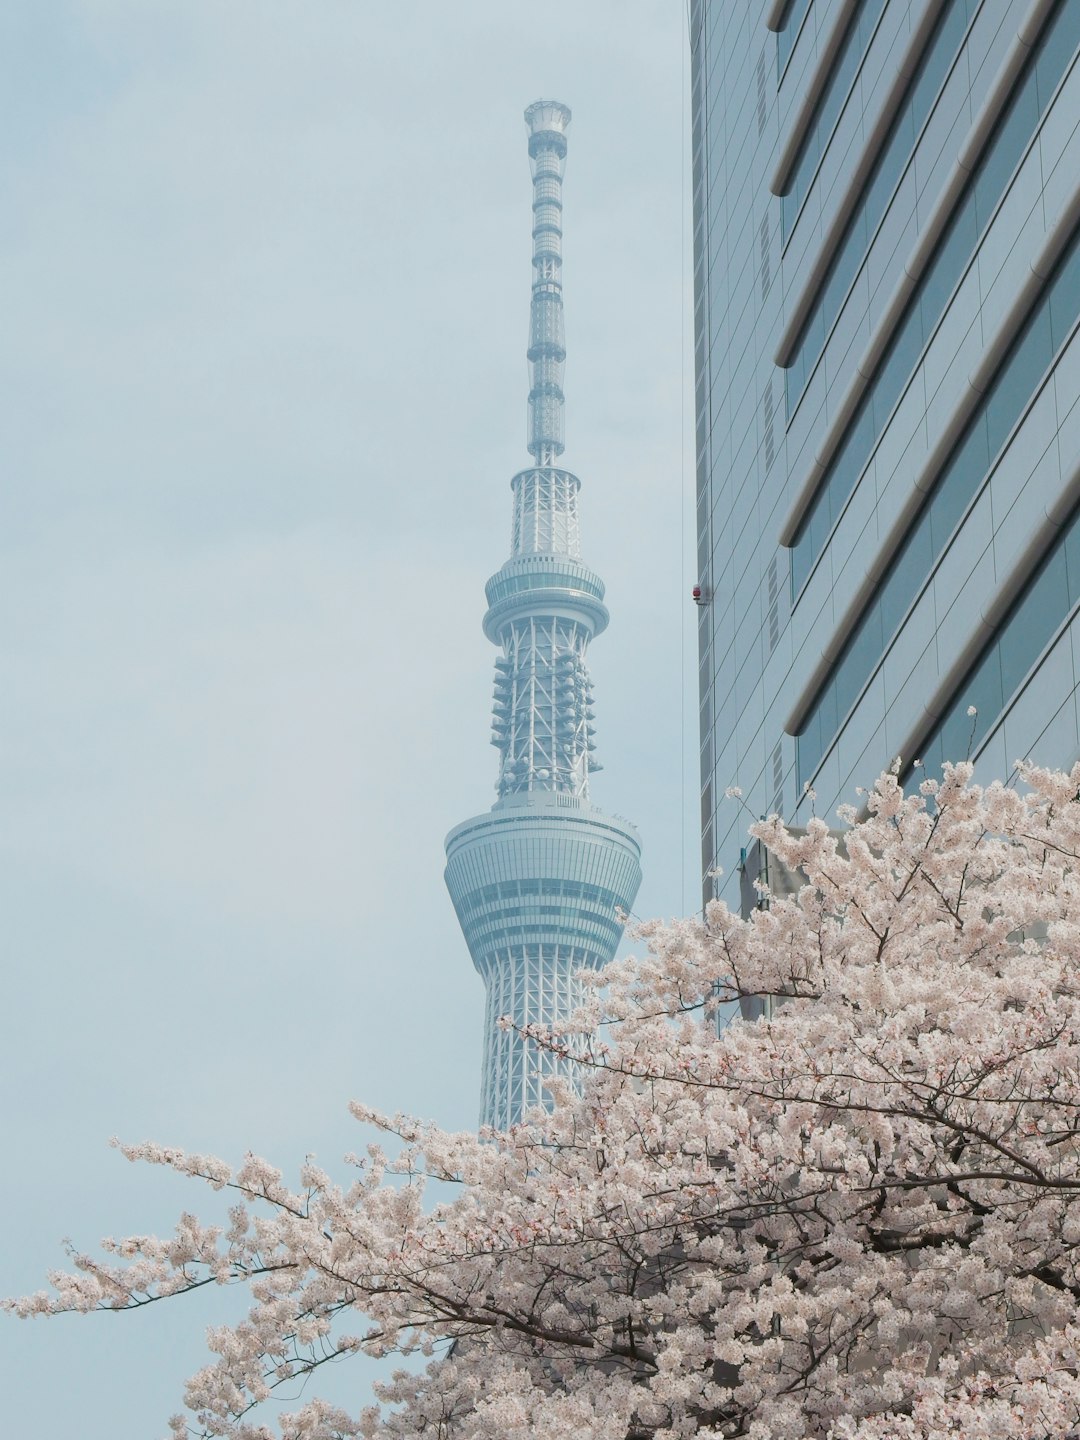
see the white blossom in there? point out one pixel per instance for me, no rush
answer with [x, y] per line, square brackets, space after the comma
[857, 1219]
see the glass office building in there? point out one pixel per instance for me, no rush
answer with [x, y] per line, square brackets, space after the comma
[887, 291]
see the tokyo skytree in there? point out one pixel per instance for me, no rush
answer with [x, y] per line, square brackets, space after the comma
[537, 881]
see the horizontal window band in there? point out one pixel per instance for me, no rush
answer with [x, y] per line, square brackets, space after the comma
[893, 162]
[597, 948]
[799, 124]
[923, 483]
[848, 202]
[790, 32]
[845, 81]
[598, 938]
[922, 252]
[877, 388]
[1008, 390]
[1059, 527]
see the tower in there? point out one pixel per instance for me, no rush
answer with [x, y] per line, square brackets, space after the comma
[538, 880]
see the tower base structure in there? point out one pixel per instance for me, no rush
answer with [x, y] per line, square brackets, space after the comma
[537, 883]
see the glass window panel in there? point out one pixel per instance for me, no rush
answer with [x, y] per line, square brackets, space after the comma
[900, 142]
[828, 719]
[793, 382]
[887, 170]
[844, 68]
[1015, 384]
[810, 744]
[1034, 620]
[808, 747]
[1065, 297]
[789, 208]
[941, 50]
[906, 575]
[801, 560]
[844, 267]
[805, 753]
[941, 276]
[784, 44]
[840, 484]
[954, 737]
[895, 370]
[933, 755]
[982, 689]
[1001, 670]
[785, 41]
[999, 159]
[1058, 44]
[949, 502]
[815, 336]
[865, 20]
[860, 659]
[809, 349]
[828, 110]
[1072, 558]
[853, 453]
[820, 525]
[1017, 378]
[959, 482]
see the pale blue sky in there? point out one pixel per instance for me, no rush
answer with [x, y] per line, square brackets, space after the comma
[264, 277]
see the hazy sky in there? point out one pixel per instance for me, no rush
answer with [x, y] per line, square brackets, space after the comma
[264, 275]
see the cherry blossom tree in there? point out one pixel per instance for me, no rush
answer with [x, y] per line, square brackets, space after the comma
[856, 1217]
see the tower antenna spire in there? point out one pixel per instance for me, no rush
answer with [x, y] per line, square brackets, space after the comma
[539, 881]
[547, 121]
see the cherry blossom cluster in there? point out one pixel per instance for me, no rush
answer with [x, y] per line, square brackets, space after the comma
[857, 1217]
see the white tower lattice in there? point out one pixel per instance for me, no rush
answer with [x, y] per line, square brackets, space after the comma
[537, 882]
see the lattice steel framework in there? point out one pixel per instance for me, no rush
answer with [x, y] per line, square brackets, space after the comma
[537, 882]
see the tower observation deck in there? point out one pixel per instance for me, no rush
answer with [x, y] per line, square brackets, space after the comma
[537, 881]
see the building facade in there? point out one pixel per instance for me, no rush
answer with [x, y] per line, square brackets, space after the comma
[887, 292]
[538, 881]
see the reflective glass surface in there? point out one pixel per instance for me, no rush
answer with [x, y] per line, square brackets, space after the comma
[996, 164]
[789, 33]
[985, 436]
[830, 106]
[999, 672]
[878, 189]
